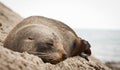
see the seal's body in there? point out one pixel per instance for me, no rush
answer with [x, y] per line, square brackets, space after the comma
[51, 40]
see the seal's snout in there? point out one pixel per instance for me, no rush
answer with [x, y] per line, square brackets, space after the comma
[64, 56]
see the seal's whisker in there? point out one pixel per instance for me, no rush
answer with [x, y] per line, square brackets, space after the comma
[42, 55]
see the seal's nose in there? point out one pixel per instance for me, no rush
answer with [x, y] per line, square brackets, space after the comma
[64, 56]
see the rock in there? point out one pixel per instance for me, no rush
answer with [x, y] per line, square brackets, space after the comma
[8, 19]
[113, 65]
[11, 60]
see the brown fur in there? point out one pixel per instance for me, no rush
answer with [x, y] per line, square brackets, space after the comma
[49, 39]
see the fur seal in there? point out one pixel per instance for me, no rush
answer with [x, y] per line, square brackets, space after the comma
[51, 40]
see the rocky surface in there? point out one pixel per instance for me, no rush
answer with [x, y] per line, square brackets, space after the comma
[8, 19]
[113, 65]
[10, 60]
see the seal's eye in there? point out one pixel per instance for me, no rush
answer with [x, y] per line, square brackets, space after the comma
[42, 47]
[30, 38]
[49, 45]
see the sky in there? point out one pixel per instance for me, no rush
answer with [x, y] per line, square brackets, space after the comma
[90, 14]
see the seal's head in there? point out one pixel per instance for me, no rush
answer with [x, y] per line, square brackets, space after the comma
[41, 42]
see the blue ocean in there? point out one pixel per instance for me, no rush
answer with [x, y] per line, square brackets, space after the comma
[105, 44]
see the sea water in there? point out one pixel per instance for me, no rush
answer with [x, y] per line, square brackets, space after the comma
[105, 44]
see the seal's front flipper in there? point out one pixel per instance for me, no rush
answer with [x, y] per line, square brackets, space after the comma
[86, 51]
[85, 56]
